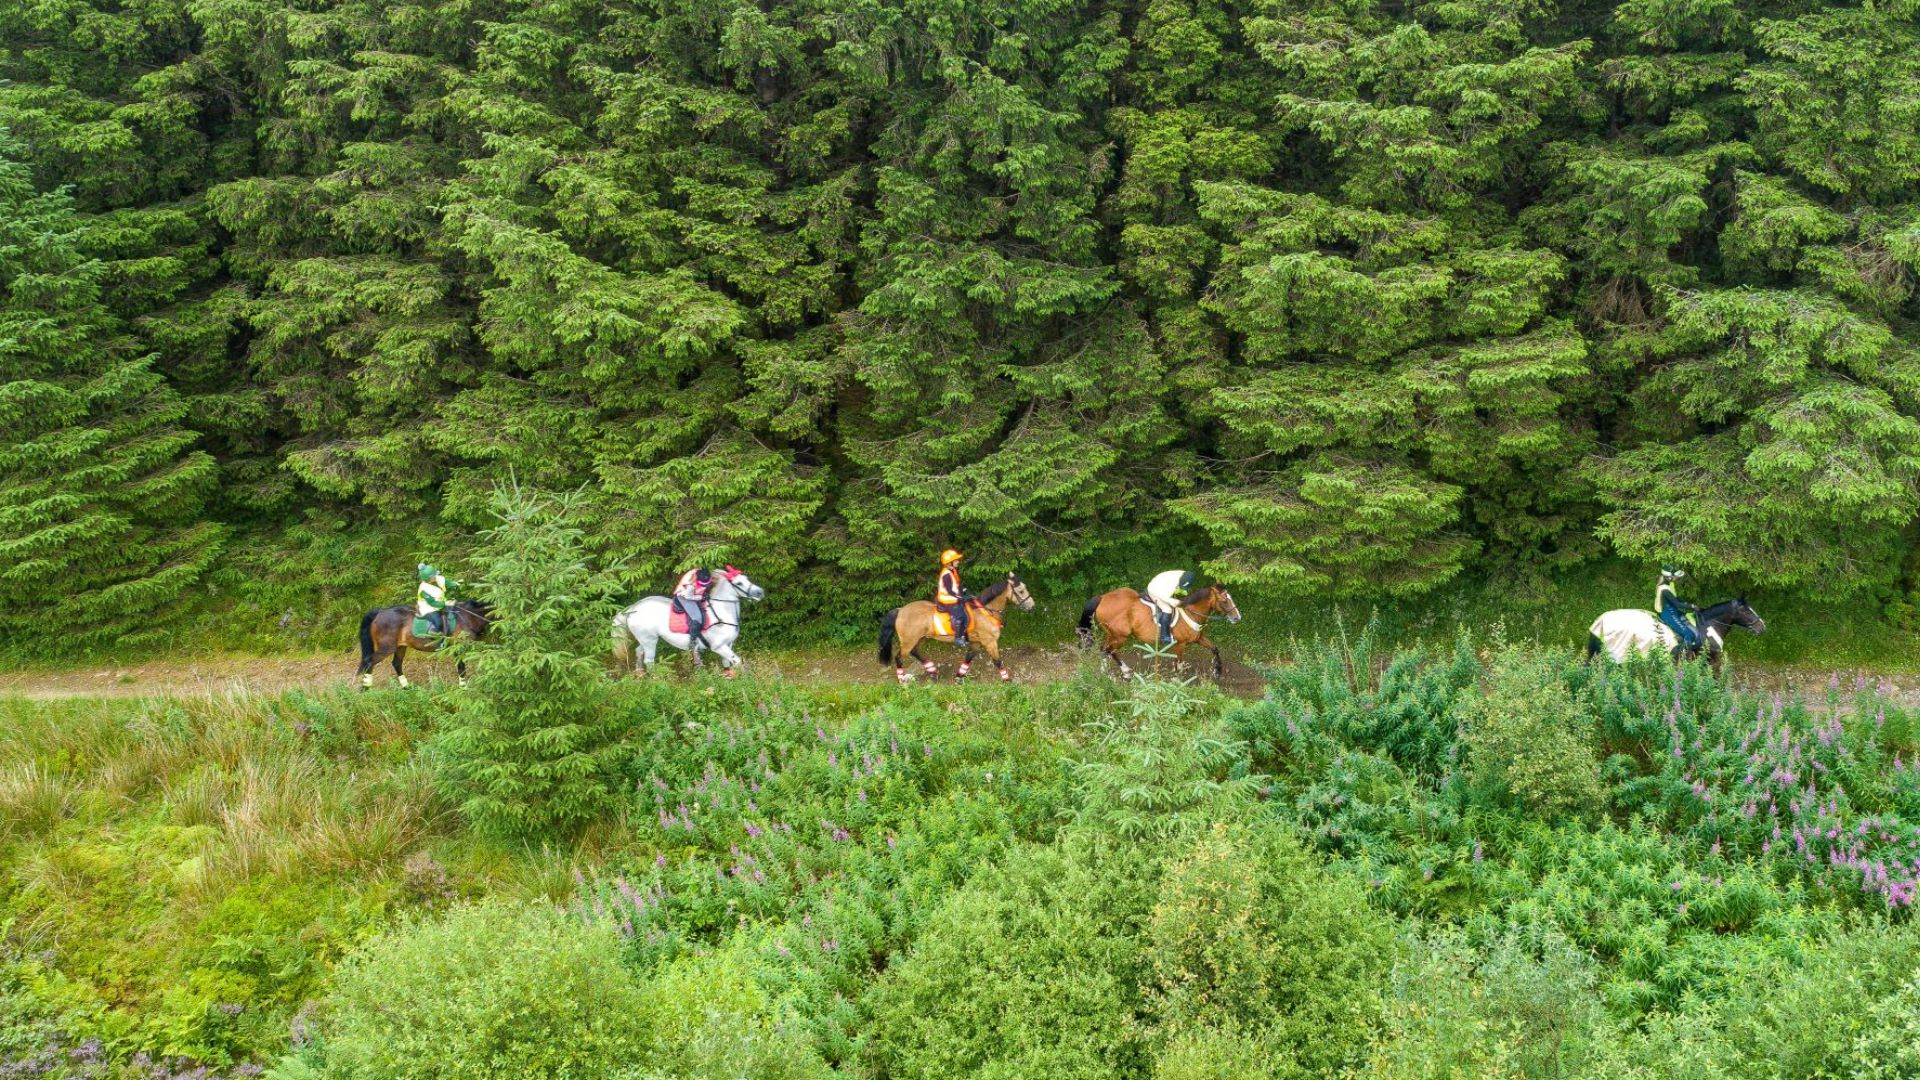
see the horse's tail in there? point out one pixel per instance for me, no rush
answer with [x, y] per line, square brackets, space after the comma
[1086, 621]
[886, 635]
[622, 642]
[366, 639]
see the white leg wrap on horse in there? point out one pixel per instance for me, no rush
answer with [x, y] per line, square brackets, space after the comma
[963, 669]
[366, 681]
[903, 675]
[929, 667]
[1005, 675]
[402, 680]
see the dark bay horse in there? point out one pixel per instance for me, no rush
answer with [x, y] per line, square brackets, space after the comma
[904, 628]
[390, 630]
[1124, 617]
[1624, 631]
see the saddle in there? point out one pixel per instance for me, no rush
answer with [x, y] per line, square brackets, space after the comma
[943, 622]
[1179, 614]
[677, 618]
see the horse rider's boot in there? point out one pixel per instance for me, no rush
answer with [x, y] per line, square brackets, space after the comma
[1165, 619]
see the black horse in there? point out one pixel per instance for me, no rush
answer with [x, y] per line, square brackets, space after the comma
[390, 630]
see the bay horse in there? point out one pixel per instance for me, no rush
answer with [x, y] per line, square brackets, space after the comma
[649, 621]
[1125, 616]
[390, 630]
[902, 629]
[1625, 631]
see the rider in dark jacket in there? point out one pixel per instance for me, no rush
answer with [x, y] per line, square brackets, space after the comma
[1674, 612]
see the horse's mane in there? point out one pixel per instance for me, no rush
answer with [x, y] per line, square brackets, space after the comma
[1714, 611]
[987, 594]
[1199, 594]
[480, 607]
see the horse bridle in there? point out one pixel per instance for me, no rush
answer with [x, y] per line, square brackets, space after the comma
[1000, 620]
[739, 602]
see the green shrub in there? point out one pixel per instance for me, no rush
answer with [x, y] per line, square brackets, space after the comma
[1158, 774]
[1889, 1048]
[1436, 1024]
[492, 989]
[1542, 993]
[708, 1019]
[1030, 972]
[1217, 1054]
[1807, 1017]
[1248, 933]
[1529, 740]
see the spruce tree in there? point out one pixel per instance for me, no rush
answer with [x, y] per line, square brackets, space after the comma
[100, 486]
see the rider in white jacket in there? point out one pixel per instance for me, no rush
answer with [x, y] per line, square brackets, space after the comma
[1166, 592]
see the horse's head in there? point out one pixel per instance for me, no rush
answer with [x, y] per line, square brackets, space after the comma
[1742, 614]
[740, 585]
[1018, 590]
[1223, 603]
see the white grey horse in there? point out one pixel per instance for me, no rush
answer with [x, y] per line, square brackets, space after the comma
[646, 624]
[1626, 631]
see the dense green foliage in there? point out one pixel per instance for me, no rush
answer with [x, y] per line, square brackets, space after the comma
[1341, 298]
[1429, 863]
[535, 748]
[486, 991]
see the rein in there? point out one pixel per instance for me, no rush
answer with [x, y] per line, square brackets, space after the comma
[999, 617]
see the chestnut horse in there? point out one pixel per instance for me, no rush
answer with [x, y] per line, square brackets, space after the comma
[390, 630]
[904, 628]
[1125, 617]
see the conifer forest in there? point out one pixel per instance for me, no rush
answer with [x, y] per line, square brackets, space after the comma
[1422, 332]
[1333, 299]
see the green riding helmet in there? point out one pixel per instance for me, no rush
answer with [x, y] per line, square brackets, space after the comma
[427, 572]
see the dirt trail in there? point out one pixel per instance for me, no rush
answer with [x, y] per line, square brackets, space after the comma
[272, 675]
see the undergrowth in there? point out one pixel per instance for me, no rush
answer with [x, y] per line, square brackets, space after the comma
[1463, 860]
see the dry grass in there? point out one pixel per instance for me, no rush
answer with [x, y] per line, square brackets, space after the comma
[264, 799]
[33, 800]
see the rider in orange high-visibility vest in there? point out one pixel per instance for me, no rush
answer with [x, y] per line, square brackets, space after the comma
[950, 596]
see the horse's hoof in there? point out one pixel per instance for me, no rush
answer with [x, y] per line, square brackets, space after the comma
[903, 675]
[728, 672]
[1005, 675]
